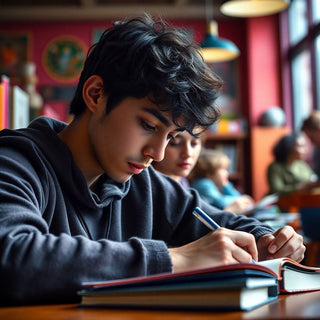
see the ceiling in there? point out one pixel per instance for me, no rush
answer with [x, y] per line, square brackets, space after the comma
[72, 10]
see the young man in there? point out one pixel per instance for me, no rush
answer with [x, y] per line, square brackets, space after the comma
[79, 202]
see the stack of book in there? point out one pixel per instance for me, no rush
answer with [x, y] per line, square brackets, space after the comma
[231, 287]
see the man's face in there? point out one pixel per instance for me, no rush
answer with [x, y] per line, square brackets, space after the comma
[314, 136]
[130, 137]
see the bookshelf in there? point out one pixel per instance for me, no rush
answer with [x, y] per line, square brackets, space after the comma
[233, 145]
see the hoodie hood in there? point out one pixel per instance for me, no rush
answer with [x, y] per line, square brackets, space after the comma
[41, 140]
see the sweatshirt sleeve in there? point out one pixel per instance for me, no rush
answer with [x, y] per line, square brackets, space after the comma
[41, 262]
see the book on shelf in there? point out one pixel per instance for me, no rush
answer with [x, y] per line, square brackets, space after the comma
[231, 287]
[4, 102]
[19, 105]
[224, 125]
[14, 105]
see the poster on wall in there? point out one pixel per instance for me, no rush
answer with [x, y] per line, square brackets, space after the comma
[232, 119]
[14, 53]
[63, 58]
[229, 99]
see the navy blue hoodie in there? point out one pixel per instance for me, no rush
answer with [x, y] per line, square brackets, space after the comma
[55, 232]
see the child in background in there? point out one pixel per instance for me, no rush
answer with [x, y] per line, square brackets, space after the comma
[211, 178]
[180, 157]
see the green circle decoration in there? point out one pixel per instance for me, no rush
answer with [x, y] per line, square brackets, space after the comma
[63, 58]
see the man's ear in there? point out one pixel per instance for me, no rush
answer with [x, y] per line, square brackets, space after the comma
[92, 91]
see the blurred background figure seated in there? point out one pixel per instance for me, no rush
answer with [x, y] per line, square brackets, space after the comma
[289, 171]
[210, 177]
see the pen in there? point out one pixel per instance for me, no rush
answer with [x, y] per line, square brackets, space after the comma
[206, 220]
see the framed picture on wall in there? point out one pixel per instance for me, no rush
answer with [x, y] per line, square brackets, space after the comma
[63, 58]
[14, 53]
[229, 99]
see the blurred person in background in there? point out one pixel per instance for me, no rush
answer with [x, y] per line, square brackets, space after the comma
[180, 157]
[210, 178]
[289, 171]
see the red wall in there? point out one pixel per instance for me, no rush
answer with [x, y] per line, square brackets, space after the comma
[42, 33]
[263, 66]
[257, 39]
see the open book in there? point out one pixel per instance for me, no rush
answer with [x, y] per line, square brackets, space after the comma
[267, 201]
[263, 204]
[232, 287]
[293, 276]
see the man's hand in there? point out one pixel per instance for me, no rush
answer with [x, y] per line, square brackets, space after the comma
[219, 247]
[284, 242]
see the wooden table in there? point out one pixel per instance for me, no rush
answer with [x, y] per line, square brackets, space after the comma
[291, 306]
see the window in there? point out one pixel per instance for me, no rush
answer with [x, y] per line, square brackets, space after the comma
[298, 22]
[301, 54]
[316, 11]
[301, 84]
[317, 71]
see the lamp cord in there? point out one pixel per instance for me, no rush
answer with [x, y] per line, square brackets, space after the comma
[209, 10]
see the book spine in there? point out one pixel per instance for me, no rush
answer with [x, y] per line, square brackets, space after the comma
[5, 102]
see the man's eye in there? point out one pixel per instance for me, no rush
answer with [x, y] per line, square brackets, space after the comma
[147, 126]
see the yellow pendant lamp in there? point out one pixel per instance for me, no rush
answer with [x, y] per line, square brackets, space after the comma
[215, 49]
[253, 8]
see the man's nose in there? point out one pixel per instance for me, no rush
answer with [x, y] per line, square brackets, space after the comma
[155, 150]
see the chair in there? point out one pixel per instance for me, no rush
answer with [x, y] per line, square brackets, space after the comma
[310, 223]
[308, 205]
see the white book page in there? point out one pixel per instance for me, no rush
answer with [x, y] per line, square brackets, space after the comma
[294, 278]
[274, 265]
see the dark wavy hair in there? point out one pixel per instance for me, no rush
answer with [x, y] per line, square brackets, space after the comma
[285, 146]
[143, 58]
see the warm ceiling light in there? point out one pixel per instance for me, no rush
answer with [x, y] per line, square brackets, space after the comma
[253, 8]
[215, 49]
